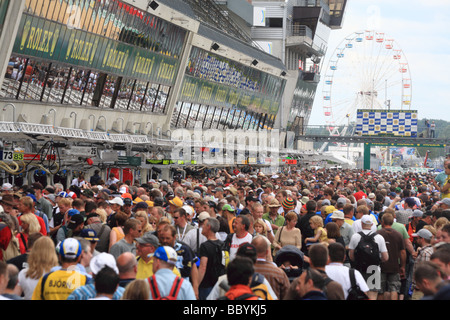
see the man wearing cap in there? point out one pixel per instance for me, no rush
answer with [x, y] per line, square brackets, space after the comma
[174, 204]
[403, 214]
[74, 225]
[273, 216]
[165, 258]
[101, 229]
[370, 275]
[345, 229]
[59, 284]
[146, 246]
[116, 205]
[424, 251]
[42, 204]
[89, 291]
[7, 188]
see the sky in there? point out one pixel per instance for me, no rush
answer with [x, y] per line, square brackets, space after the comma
[422, 30]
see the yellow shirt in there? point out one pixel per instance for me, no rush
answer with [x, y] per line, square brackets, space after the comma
[323, 236]
[145, 269]
[446, 195]
[58, 285]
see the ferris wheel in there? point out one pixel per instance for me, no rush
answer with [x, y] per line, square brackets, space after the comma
[367, 70]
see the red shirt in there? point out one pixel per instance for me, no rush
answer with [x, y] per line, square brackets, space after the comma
[41, 223]
[359, 195]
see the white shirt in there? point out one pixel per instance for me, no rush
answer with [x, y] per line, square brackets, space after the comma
[378, 239]
[236, 242]
[27, 284]
[340, 273]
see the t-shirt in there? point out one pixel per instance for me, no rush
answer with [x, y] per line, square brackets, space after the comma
[378, 239]
[122, 246]
[58, 285]
[236, 242]
[394, 243]
[211, 249]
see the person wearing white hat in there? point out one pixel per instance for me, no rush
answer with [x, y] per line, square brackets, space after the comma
[59, 283]
[89, 291]
[345, 229]
[371, 274]
[163, 279]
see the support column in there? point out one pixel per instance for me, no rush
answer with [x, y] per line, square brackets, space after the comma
[9, 32]
[367, 147]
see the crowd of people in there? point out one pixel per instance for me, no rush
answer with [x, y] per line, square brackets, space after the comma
[306, 234]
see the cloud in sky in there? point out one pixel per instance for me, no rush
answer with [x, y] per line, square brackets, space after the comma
[422, 30]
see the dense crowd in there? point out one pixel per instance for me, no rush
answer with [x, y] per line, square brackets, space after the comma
[309, 234]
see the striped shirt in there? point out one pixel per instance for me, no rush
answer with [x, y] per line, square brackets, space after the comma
[88, 292]
[277, 278]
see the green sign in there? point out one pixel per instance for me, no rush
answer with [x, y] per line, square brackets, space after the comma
[129, 161]
[49, 40]
[205, 92]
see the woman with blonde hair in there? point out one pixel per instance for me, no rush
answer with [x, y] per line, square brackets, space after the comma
[138, 289]
[30, 224]
[41, 260]
[143, 217]
[102, 214]
[442, 221]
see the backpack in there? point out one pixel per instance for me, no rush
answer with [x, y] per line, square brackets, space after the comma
[257, 285]
[245, 296]
[355, 292]
[367, 252]
[13, 249]
[173, 294]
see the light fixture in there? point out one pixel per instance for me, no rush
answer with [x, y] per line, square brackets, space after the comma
[153, 5]
[255, 62]
[283, 73]
[215, 46]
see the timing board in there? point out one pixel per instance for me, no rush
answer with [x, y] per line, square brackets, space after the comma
[387, 122]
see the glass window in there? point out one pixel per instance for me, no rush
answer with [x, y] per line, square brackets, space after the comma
[108, 91]
[176, 113]
[124, 95]
[150, 97]
[137, 96]
[201, 113]
[161, 99]
[209, 117]
[193, 116]
[56, 83]
[14, 73]
[216, 119]
[33, 79]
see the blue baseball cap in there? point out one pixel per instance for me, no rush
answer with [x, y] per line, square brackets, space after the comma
[32, 196]
[72, 212]
[167, 254]
[70, 248]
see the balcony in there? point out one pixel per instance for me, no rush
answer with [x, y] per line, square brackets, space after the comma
[300, 38]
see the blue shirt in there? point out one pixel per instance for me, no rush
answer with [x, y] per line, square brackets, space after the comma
[165, 278]
[88, 292]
